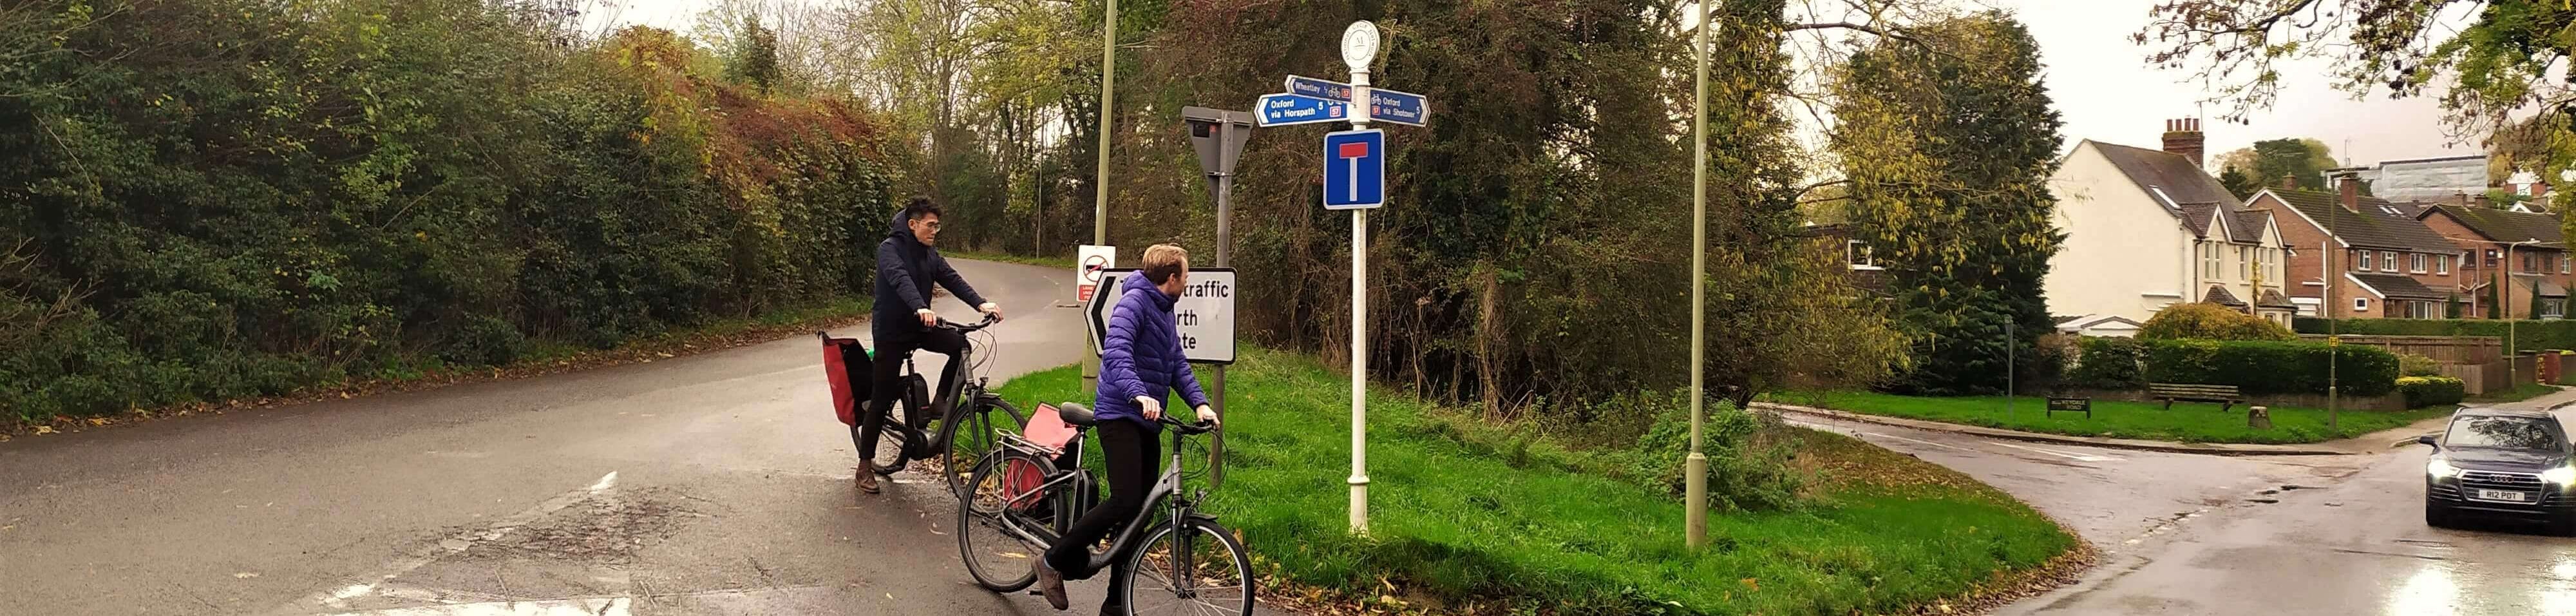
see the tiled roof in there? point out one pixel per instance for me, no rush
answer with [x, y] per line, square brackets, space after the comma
[2540, 285]
[2195, 216]
[2506, 225]
[2173, 179]
[2248, 225]
[2367, 228]
[2398, 286]
[2272, 298]
[2219, 295]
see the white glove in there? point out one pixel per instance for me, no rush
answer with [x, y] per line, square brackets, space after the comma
[1151, 408]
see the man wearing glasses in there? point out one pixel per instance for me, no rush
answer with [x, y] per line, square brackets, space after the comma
[908, 262]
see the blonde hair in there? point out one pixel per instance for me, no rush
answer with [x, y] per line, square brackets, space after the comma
[1163, 260]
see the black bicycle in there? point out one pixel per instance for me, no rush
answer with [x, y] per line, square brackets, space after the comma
[1180, 561]
[964, 434]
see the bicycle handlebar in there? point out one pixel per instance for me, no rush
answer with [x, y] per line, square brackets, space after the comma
[968, 328]
[1192, 429]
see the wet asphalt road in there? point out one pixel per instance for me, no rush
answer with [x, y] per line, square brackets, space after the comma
[713, 484]
[2270, 535]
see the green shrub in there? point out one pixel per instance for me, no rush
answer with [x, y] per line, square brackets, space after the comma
[2259, 368]
[2526, 335]
[2423, 391]
[2203, 321]
[2410, 364]
[2109, 363]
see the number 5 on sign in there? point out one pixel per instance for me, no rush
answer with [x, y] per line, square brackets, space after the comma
[1355, 169]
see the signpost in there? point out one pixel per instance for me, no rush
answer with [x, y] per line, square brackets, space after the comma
[1355, 180]
[1291, 109]
[1205, 314]
[1089, 262]
[1219, 137]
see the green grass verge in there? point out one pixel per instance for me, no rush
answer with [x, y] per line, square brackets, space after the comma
[1065, 262]
[2187, 422]
[2526, 391]
[1461, 527]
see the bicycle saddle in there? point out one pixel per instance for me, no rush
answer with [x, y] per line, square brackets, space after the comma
[1076, 414]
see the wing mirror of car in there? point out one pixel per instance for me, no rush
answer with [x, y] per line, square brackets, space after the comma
[2428, 440]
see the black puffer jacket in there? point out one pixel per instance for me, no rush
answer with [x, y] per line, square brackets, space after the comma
[905, 271]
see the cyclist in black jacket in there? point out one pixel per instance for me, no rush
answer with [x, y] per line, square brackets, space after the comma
[908, 263]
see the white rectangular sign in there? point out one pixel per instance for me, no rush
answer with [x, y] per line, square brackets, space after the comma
[1204, 314]
[1088, 264]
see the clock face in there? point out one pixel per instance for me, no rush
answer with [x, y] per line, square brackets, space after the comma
[1359, 44]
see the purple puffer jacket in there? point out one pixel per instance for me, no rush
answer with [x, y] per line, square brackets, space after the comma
[1142, 356]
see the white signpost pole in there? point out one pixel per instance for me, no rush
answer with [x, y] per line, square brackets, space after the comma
[1359, 46]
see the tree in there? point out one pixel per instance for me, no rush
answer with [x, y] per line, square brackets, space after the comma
[753, 60]
[1948, 144]
[2239, 183]
[2263, 164]
[2207, 321]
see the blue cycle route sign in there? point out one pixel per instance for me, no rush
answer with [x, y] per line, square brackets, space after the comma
[1384, 105]
[1292, 109]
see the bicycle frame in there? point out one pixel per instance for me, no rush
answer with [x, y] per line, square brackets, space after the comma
[1164, 494]
[920, 445]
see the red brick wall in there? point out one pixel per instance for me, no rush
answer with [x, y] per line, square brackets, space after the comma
[2309, 263]
[2518, 302]
[2303, 239]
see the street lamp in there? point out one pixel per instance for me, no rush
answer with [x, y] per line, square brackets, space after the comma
[2504, 300]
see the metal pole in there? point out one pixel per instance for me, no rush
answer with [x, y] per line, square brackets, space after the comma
[1359, 326]
[1100, 186]
[2010, 341]
[1224, 250]
[2334, 346]
[1695, 465]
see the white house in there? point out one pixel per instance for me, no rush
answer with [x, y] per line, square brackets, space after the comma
[2147, 229]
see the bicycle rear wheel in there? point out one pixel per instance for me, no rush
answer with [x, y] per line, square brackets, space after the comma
[1002, 494]
[975, 437]
[890, 439]
[1192, 567]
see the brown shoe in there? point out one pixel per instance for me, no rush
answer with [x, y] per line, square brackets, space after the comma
[1051, 584]
[867, 480]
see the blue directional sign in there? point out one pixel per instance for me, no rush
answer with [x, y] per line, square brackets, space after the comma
[1399, 107]
[1384, 105]
[1354, 169]
[1291, 109]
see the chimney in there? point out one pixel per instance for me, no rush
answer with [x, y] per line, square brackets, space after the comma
[2182, 137]
[2350, 184]
[2464, 200]
[2289, 182]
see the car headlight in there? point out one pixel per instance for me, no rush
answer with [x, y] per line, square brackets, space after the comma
[2561, 476]
[2441, 469]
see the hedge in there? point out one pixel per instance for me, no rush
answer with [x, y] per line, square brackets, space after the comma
[2108, 363]
[2423, 391]
[2528, 335]
[2260, 368]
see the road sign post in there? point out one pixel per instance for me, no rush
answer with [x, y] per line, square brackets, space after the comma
[1359, 47]
[1219, 137]
[1204, 313]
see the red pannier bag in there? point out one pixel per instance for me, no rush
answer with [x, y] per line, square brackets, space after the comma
[845, 364]
[1045, 429]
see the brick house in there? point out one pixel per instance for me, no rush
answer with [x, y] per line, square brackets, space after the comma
[2361, 257]
[2538, 268]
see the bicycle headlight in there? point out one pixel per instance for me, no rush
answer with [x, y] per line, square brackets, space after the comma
[2439, 468]
[2560, 476]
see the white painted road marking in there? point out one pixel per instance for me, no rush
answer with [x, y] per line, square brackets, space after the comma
[339, 597]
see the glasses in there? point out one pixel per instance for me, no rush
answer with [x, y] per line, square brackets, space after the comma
[934, 225]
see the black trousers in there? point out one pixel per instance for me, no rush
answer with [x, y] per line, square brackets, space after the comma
[1130, 451]
[887, 382]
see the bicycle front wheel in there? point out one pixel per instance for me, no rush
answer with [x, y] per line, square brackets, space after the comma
[992, 520]
[1192, 567]
[976, 436]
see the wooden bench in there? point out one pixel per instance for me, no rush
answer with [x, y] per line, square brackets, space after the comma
[2225, 395]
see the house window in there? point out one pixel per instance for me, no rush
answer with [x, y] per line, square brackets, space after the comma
[2530, 263]
[2421, 310]
[2416, 262]
[1858, 254]
[2209, 261]
[2361, 304]
[2553, 308]
[2442, 264]
[2562, 263]
[2244, 262]
[2365, 260]
[2491, 259]
[2387, 261]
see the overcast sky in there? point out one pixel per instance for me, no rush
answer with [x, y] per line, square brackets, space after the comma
[2099, 80]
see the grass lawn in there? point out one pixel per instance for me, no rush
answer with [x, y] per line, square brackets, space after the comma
[2188, 422]
[2526, 391]
[1458, 527]
[1065, 261]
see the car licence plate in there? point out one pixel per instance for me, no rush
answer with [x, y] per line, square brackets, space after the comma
[2504, 495]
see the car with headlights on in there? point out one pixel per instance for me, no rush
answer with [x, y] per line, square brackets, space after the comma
[2503, 464]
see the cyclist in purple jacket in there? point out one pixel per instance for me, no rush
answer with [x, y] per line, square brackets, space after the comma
[1140, 365]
